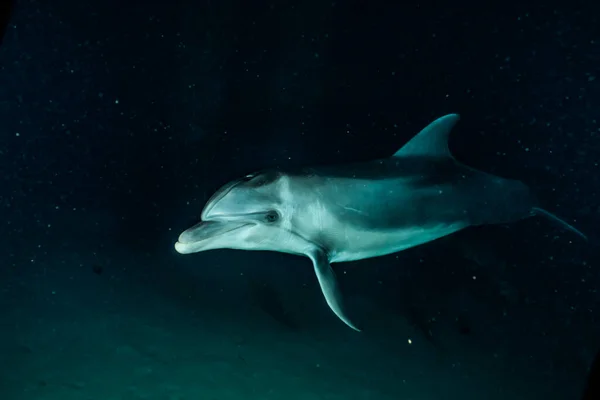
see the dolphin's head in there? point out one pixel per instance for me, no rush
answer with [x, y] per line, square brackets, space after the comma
[247, 214]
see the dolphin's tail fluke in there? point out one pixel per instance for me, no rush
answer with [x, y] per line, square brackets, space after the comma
[558, 221]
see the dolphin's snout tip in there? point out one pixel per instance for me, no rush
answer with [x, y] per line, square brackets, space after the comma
[181, 238]
[178, 247]
[190, 235]
[181, 248]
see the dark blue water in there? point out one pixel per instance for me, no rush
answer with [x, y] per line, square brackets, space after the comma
[118, 121]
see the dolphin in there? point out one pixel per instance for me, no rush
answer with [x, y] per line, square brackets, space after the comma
[351, 212]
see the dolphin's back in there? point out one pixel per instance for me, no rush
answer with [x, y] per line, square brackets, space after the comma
[392, 193]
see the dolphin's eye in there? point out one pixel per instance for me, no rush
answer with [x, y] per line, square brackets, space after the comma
[271, 217]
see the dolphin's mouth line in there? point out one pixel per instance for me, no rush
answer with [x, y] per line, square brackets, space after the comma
[236, 217]
[217, 234]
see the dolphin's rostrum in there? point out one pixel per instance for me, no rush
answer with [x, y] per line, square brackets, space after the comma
[352, 212]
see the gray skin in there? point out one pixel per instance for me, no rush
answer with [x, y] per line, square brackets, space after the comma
[353, 212]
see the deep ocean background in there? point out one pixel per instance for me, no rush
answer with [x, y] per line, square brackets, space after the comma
[118, 120]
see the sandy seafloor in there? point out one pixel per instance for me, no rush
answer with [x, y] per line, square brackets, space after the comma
[159, 336]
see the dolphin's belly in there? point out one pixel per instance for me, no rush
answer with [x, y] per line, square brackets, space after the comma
[357, 245]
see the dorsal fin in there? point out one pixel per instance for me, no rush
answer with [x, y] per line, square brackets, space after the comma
[432, 141]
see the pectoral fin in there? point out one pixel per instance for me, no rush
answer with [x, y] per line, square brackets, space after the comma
[329, 286]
